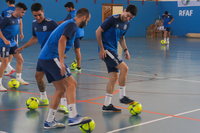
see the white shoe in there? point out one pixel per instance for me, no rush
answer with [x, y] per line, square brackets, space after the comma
[22, 82]
[2, 89]
[8, 72]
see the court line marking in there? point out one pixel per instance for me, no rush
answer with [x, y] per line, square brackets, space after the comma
[148, 122]
[149, 76]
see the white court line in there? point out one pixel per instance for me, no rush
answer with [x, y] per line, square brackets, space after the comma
[117, 130]
[149, 76]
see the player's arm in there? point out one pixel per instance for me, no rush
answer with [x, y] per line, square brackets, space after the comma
[124, 47]
[4, 39]
[32, 41]
[21, 36]
[60, 22]
[61, 52]
[172, 19]
[102, 52]
[3, 24]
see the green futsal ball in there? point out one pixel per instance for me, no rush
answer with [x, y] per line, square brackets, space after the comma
[32, 103]
[135, 108]
[87, 127]
[162, 41]
[13, 84]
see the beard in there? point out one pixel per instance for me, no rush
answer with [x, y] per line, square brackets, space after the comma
[82, 24]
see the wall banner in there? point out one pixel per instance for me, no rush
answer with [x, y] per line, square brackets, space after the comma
[185, 3]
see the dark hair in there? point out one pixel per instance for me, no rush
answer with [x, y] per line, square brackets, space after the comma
[36, 7]
[82, 12]
[21, 5]
[132, 9]
[166, 12]
[69, 4]
[11, 1]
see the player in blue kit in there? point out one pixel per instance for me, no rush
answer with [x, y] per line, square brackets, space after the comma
[8, 12]
[167, 20]
[76, 65]
[51, 61]
[108, 34]
[41, 29]
[9, 28]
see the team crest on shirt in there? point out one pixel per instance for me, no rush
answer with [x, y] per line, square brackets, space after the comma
[125, 26]
[117, 26]
[35, 28]
[44, 28]
[13, 22]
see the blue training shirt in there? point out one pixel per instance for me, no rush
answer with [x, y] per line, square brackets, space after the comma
[80, 31]
[50, 49]
[167, 19]
[43, 30]
[114, 28]
[7, 12]
[9, 27]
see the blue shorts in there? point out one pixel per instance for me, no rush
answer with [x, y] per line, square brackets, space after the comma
[51, 68]
[77, 43]
[6, 51]
[112, 60]
[167, 29]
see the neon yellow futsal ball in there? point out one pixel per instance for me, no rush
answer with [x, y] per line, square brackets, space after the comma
[135, 108]
[87, 127]
[32, 103]
[13, 84]
[162, 41]
[73, 65]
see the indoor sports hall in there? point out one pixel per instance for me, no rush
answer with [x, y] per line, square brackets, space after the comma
[164, 78]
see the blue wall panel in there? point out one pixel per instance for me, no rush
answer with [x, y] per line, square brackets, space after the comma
[147, 13]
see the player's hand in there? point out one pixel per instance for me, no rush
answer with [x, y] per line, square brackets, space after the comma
[21, 36]
[19, 50]
[127, 55]
[63, 69]
[169, 22]
[7, 42]
[102, 54]
[65, 57]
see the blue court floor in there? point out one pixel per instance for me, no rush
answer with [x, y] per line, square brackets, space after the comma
[165, 79]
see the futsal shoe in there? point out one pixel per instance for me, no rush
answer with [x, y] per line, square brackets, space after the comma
[22, 82]
[78, 120]
[126, 100]
[110, 108]
[53, 124]
[63, 109]
[76, 70]
[43, 102]
[9, 72]
[2, 89]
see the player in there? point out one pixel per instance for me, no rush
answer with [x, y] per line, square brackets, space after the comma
[41, 29]
[51, 61]
[108, 34]
[79, 35]
[7, 12]
[167, 20]
[9, 27]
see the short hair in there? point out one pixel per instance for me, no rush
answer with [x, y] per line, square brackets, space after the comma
[69, 4]
[132, 9]
[21, 5]
[166, 12]
[82, 12]
[11, 1]
[36, 7]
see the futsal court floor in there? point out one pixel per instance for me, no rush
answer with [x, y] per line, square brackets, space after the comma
[165, 79]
